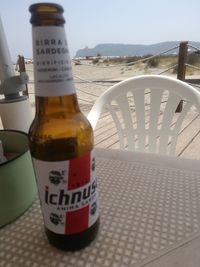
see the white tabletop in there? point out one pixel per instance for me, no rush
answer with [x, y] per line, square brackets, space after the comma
[150, 214]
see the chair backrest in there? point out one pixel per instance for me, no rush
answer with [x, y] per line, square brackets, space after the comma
[143, 109]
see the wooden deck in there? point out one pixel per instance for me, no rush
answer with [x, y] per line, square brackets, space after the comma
[105, 134]
[188, 145]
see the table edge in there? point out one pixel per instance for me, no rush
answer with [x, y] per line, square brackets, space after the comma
[150, 158]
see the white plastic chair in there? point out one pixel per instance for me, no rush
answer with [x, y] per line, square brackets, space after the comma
[143, 109]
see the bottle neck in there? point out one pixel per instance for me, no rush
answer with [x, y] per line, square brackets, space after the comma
[47, 106]
[52, 63]
[46, 14]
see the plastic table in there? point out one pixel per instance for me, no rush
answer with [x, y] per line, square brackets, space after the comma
[150, 215]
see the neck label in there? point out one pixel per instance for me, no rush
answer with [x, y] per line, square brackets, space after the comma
[52, 64]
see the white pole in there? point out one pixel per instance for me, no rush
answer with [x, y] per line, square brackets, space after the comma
[15, 110]
[6, 66]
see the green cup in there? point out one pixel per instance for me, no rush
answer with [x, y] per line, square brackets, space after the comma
[17, 180]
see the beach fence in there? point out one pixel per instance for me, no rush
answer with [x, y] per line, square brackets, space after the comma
[179, 69]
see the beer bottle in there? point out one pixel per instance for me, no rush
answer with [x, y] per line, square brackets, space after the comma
[61, 138]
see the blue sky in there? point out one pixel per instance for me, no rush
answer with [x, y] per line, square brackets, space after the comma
[90, 22]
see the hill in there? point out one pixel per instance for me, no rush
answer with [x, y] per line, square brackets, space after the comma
[130, 49]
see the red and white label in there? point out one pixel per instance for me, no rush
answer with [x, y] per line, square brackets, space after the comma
[52, 64]
[68, 193]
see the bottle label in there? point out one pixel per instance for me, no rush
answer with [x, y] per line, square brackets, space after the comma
[52, 64]
[68, 193]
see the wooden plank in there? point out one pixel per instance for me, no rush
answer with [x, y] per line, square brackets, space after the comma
[194, 81]
[192, 151]
[187, 135]
[105, 135]
[108, 141]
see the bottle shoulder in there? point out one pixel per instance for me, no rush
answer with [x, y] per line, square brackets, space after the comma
[67, 125]
[61, 118]
[56, 139]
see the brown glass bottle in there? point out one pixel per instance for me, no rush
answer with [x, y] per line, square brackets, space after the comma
[61, 136]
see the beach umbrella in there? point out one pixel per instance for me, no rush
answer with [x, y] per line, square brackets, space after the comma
[15, 108]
